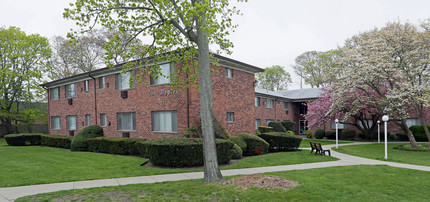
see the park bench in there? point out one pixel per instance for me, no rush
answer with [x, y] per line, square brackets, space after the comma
[318, 149]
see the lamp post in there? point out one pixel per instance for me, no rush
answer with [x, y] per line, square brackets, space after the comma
[385, 119]
[337, 131]
[379, 131]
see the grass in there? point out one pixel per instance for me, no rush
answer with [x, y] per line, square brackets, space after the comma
[29, 165]
[305, 142]
[376, 151]
[347, 183]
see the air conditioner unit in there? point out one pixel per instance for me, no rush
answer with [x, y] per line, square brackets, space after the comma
[286, 111]
[70, 101]
[126, 134]
[124, 94]
[72, 133]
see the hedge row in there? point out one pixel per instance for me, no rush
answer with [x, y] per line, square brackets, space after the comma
[254, 144]
[279, 141]
[419, 133]
[24, 139]
[185, 152]
[117, 145]
[79, 142]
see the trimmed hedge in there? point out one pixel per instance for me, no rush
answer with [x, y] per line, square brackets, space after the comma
[239, 141]
[281, 141]
[289, 125]
[185, 152]
[79, 142]
[308, 134]
[330, 134]
[236, 152]
[23, 139]
[254, 144]
[264, 129]
[347, 134]
[56, 141]
[319, 133]
[277, 127]
[419, 133]
[114, 145]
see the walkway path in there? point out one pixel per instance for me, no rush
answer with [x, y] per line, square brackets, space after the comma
[12, 193]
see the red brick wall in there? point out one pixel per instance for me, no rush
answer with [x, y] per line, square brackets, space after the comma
[230, 95]
[277, 113]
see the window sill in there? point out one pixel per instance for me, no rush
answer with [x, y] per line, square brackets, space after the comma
[161, 84]
[124, 89]
[230, 121]
[127, 130]
[165, 132]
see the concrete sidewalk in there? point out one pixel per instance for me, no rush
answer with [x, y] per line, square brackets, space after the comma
[12, 193]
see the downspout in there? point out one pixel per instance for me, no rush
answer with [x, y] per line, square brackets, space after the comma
[187, 100]
[95, 97]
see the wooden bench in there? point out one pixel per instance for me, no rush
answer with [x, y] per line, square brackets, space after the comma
[318, 149]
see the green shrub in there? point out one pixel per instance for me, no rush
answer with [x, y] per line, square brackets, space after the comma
[277, 127]
[23, 139]
[330, 134]
[79, 142]
[407, 147]
[142, 148]
[289, 125]
[401, 135]
[290, 132]
[219, 130]
[193, 132]
[308, 134]
[254, 144]
[264, 129]
[56, 141]
[239, 141]
[185, 152]
[419, 133]
[236, 152]
[319, 133]
[281, 141]
[114, 145]
[347, 135]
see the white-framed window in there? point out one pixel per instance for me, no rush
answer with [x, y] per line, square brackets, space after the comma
[230, 117]
[228, 73]
[166, 70]
[103, 120]
[55, 123]
[268, 121]
[72, 122]
[287, 106]
[340, 125]
[269, 103]
[164, 121]
[303, 126]
[102, 81]
[87, 119]
[257, 101]
[71, 91]
[55, 93]
[126, 121]
[412, 122]
[124, 81]
[257, 123]
[87, 85]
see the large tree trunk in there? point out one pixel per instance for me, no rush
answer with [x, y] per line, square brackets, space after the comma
[420, 113]
[211, 169]
[408, 132]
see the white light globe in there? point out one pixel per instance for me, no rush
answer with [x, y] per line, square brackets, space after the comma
[336, 120]
[378, 122]
[385, 118]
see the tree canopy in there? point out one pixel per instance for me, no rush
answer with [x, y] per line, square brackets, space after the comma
[177, 31]
[274, 78]
[23, 63]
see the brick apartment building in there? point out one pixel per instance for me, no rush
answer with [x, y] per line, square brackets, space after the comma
[150, 110]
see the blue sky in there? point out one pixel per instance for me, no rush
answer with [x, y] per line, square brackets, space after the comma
[270, 32]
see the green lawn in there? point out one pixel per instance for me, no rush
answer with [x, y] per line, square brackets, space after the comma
[347, 183]
[28, 165]
[305, 142]
[376, 151]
